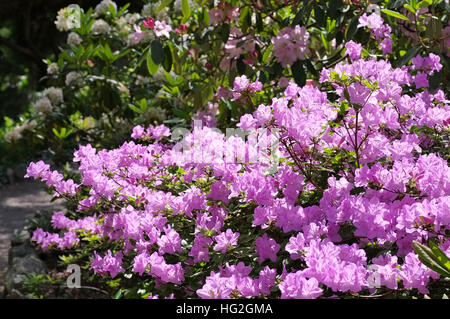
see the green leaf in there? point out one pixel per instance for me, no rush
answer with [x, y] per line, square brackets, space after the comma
[298, 72]
[135, 109]
[395, 14]
[325, 42]
[170, 79]
[164, 3]
[440, 254]
[151, 66]
[410, 8]
[424, 4]
[168, 60]
[157, 51]
[408, 55]
[427, 257]
[118, 294]
[224, 32]
[320, 16]
[186, 10]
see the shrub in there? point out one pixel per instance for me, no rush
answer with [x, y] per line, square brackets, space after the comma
[320, 193]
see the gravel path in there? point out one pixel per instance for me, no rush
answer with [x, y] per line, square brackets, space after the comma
[17, 203]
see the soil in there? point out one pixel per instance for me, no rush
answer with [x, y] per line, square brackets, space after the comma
[18, 202]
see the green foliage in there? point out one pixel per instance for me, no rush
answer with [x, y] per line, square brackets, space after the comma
[433, 257]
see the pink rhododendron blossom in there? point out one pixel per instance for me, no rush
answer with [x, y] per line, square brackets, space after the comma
[162, 29]
[291, 44]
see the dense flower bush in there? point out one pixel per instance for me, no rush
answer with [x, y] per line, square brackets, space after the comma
[280, 149]
[312, 196]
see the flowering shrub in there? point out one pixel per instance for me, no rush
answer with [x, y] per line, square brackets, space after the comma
[316, 195]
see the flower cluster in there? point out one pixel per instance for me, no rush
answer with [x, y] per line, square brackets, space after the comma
[291, 44]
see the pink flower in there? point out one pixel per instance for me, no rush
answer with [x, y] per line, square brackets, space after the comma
[421, 80]
[267, 248]
[149, 23]
[353, 50]
[216, 16]
[162, 29]
[386, 46]
[297, 286]
[240, 83]
[291, 44]
[226, 240]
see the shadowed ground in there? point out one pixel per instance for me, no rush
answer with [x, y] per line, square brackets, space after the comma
[17, 203]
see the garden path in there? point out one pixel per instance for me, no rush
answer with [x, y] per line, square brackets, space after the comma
[18, 202]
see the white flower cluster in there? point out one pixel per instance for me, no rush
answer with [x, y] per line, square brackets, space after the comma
[131, 18]
[16, 133]
[43, 106]
[55, 95]
[74, 39]
[149, 11]
[177, 5]
[51, 97]
[142, 80]
[63, 20]
[154, 114]
[104, 6]
[73, 78]
[52, 69]
[100, 26]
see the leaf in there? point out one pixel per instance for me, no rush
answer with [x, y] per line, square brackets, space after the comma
[297, 19]
[435, 80]
[424, 4]
[325, 42]
[224, 32]
[168, 60]
[186, 10]
[394, 14]
[410, 8]
[320, 16]
[408, 55]
[298, 71]
[164, 3]
[157, 51]
[240, 65]
[151, 66]
[440, 254]
[135, 109]
[427, 257]
[170, 79]
[118, 294]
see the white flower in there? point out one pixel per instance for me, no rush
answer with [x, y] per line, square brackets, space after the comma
[100, 26]
[154, 113]
[131, 41]
[14, 135]
[104, 6]
[55, 95]
[29, 125]
[43, 106]
[149, 11]
[74, 39]
[142, 80]
[64, 22]
[73, 78]
[131, 18]
[52, 68]
[177, 5]
[159, 76]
